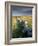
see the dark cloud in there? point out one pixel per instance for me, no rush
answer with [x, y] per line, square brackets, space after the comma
[17, 10]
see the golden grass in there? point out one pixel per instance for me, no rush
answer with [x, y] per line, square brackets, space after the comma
[26, 18]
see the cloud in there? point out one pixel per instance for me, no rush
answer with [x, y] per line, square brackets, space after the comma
[18, 11]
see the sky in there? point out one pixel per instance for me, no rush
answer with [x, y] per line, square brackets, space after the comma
[20, 11]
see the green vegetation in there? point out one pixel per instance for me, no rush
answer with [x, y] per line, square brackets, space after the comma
[19, 29]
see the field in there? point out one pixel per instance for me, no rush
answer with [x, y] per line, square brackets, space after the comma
[21, 26]
[24, 18]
